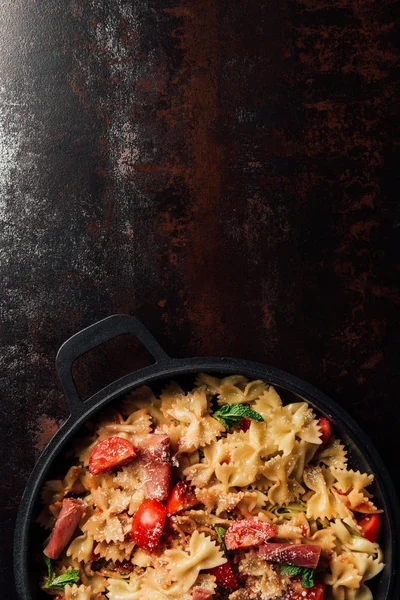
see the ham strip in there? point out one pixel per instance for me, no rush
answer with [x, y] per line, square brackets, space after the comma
[247, 533]
[155, 447]
[201, 594]
[299, 555]
[69, 517]
[154, 457]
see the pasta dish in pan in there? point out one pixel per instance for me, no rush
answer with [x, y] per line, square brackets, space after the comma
[218, 492]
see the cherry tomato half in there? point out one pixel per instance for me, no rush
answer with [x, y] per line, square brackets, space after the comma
[182, 497]
[370, 527]
[244, 424]
[148, 524]
[325, 428]
[225, 576]
[110, 454]
[297, 592]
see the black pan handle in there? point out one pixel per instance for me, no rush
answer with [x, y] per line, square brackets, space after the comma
[94, 335]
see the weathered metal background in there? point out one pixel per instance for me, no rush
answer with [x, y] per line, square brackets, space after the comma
[223, 170]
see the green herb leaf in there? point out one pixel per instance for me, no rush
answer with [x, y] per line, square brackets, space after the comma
[307, 578]
[292, 570]
[58, 583]
[220, 531]
[231, 414]
[50, 572]
[307, 575]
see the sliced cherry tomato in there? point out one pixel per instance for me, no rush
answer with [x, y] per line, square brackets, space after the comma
[225, 576]
[248, 532]
[110, 454]
[148, 524]
[325, 428]
[244, 424]
[182, 497]
[370, 527]
[297, 592]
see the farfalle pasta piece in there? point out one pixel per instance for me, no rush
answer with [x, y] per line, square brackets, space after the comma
[289, 531]
[105, 525]
[143, 397]
[333, 454]
[213, 385]
[214, 454]
[367, 566]
[93, 579]
[121, 589]
[200, 429]
[352, 486]
[261, 577]
[343, 572]
[104, 528]
[119, 551]
[215, 498]
[81, 548]
[260, 439]
[277, 470]
[323, 537]
[75, 592]
[267, 402]
[243, 465]
[203, 554]
[323, 503]
[135, 428]
[348, 481]
[345, 593]
[349, 571]
[56, 489]
[200, 432]
[203, 517]
[293, 421]
[232, 394]
[251, 502]
[175, 433]
[351, 540]
[157, 583]
[174, 403]
[304, 453]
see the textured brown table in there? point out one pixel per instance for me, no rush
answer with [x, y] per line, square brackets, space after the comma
[222, 170]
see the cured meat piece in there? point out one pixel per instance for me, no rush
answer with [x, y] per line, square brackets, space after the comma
[155, 447]
[69, 517]
[299, 555]
[247, 533]
[154, 456]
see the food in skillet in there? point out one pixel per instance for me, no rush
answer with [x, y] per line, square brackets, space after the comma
[220, 492]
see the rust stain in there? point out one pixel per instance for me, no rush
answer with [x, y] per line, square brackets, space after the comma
[46, 428]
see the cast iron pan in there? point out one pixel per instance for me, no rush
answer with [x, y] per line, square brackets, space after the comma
[28, 539]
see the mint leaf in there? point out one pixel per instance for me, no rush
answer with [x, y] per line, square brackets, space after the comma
[68, 578]
[220, 531]
[292, 570]
[58, 583]
[50, 572]
[307, 575]
[231, 414]
[307, 578]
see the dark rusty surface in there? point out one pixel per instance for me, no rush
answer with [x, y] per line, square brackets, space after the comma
[222, 170]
